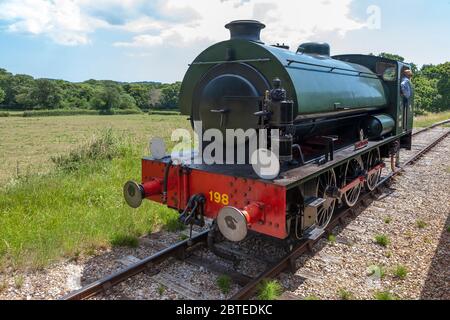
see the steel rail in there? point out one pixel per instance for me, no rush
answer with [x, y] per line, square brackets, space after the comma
[288, 261]
[111, 280]
[437, 124]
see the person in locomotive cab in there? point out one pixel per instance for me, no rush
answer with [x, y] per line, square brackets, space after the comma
[406, 87]
[406, 93]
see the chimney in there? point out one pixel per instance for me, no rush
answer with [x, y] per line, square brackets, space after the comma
[245, 29]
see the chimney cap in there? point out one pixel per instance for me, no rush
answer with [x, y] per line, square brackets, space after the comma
[246, 22]
[245, 29]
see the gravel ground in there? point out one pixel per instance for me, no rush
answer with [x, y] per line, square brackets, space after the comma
[421, 193]
[63, 277]
[343, 269]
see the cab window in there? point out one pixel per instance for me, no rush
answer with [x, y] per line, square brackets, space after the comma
[387, 71]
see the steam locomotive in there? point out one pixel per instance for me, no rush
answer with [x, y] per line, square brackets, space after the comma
[337, 117]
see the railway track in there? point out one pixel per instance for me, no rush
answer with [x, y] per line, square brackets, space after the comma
[249, 285]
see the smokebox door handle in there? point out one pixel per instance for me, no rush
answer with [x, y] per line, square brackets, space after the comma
[222, 113]
[219, 110]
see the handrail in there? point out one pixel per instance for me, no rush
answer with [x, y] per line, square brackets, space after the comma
[290, 61]
[231, 61]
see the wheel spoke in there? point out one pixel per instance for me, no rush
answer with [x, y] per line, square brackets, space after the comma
[325, 211]
[321, 185]
[372, 159]
[353, 168]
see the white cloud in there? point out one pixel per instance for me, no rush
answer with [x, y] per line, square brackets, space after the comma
[287, 21]
[176, 22]
[142, 24]
[61, 20]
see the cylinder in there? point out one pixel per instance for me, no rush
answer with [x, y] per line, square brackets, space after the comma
[284, 144]
[282, 114]
[378, 126]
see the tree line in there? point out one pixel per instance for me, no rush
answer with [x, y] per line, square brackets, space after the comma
[23, 92]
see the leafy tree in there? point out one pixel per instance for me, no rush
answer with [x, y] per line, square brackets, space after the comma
[23, 100]
[391, 56]
[443, 86]
[4, 72]
[46, 94]
[140, 93]
[111, 97]
[414, 68]
[106, 99]
[14, 85]
[2, 95]
[430, 71]
[426, 94]
[127, 102]
[440, 75]
[169, 95]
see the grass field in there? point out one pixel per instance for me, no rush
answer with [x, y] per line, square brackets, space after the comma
[429, 119]
[49, 211]
[26, 144]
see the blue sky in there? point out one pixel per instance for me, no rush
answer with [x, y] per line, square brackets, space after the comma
[142, 40]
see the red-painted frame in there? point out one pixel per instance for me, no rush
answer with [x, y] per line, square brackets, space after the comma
[185, 182]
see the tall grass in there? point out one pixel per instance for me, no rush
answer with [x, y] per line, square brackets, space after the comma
[103, 146]
[164, 112]
[126, 111]
[77, 208]
[269, 290]
[430, 118]
[59, 112]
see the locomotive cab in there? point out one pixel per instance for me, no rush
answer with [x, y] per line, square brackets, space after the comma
[390, 71]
